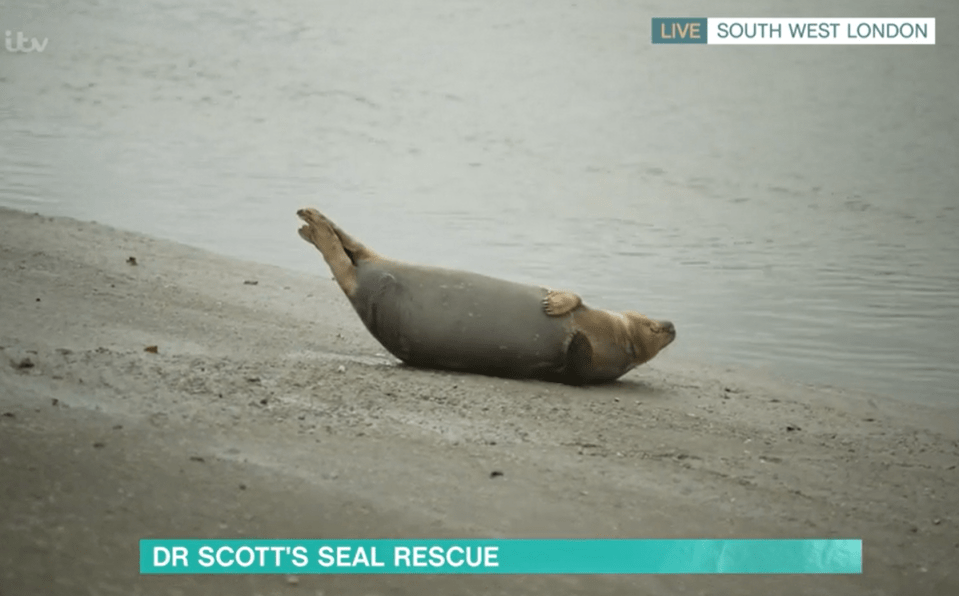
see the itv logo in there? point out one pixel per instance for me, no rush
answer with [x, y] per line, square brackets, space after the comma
[679, 30]
[20, 43]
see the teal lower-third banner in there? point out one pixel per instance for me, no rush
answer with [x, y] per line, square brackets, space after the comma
[480, 556]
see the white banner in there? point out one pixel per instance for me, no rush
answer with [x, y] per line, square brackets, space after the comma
[821, 31]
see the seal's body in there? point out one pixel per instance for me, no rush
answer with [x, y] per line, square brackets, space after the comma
[456, 320]
[441, 318]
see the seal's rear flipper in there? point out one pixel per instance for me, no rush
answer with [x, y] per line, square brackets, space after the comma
[321, 233]
[354, 248]
[558, 303]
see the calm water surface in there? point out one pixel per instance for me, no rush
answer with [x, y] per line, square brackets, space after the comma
[789, 208]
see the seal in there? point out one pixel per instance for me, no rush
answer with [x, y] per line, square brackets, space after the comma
[456, 320]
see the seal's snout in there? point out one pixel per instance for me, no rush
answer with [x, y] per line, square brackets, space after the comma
[669, 328]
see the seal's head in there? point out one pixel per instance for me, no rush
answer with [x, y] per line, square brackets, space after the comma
[647, 336]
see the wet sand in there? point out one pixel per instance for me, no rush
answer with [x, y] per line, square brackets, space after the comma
[269, 411]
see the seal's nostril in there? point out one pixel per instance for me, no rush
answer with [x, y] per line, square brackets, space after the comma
[669, 327]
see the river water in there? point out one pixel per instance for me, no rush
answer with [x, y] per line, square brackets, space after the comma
[792, 209]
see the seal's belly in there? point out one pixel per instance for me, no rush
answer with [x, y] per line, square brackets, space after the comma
[459, 320]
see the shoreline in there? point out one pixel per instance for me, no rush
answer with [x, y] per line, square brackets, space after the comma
[276, 386]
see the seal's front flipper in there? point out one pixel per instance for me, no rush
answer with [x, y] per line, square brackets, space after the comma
[579, 360]
[321, 234]
[558, 303]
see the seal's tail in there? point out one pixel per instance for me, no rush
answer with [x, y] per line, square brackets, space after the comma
[339, 249]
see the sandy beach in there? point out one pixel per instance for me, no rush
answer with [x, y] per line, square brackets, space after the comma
[268, 411]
